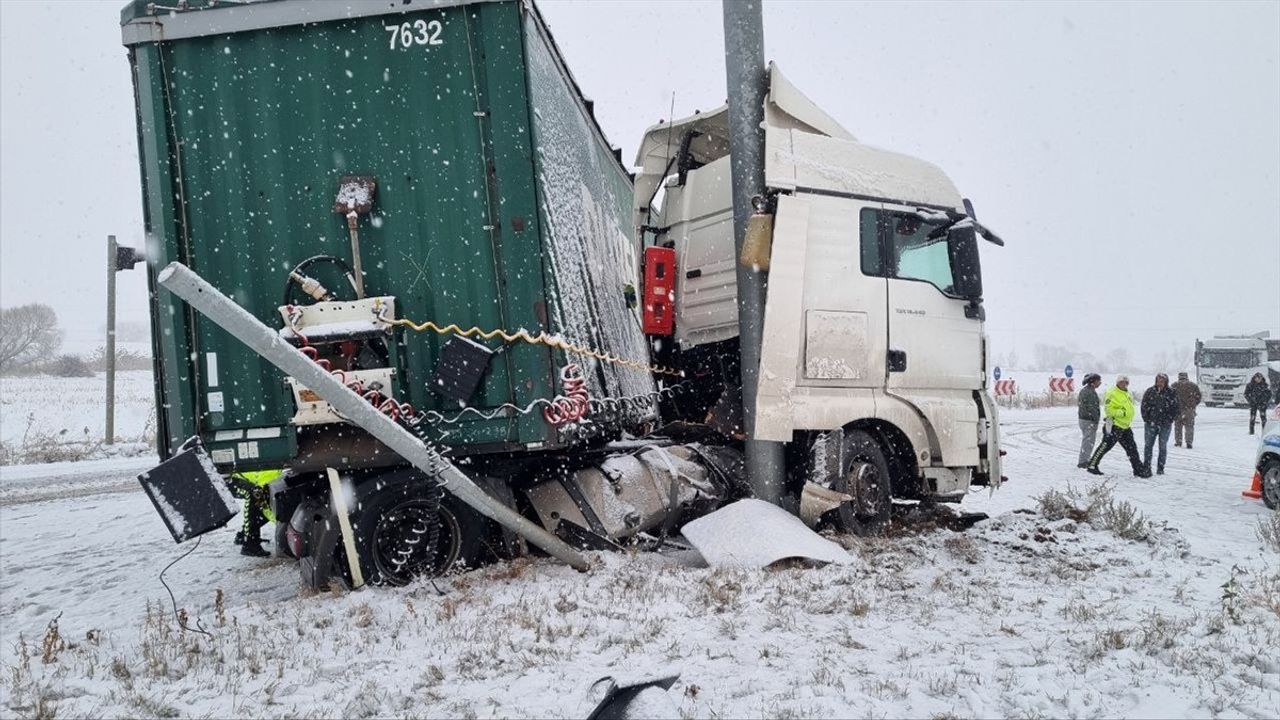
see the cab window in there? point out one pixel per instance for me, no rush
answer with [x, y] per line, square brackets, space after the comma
[870, 237]
[899, 246]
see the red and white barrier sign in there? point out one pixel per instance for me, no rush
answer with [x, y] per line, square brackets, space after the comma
[1006, 387]
[1063, 385]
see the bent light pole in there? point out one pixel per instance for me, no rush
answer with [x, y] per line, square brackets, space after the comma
[186, 284]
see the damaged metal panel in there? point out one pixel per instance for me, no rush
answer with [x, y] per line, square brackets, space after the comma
[633, 493]
[585, 206]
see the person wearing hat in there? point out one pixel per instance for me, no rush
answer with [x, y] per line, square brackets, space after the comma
[1089, 412]
[1118, 410]
[1257, 394]
[1159, 408]
[1188, 398]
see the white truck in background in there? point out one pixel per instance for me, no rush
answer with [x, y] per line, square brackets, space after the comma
[1225, 364]
[874, 360]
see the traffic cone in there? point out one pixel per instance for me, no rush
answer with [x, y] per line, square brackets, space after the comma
[1255, 492]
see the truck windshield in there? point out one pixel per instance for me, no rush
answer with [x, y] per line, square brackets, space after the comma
[899, 245]
[913, 255]
[1227, 358]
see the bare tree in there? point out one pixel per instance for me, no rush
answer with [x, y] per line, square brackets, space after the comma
[28, 334]
[1052, 357]
[1118, 360]
[1179, 357]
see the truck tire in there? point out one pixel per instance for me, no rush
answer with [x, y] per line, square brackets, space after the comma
[460, 544]
[865, 477]
[1271, 483]
[396, 531]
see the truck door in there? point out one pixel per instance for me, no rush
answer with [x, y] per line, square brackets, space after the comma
[843, 296]
[933, 343]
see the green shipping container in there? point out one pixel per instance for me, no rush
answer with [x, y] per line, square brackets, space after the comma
[499, 204]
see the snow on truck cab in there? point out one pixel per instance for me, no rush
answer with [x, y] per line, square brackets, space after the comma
[447, 355]
[873, 329]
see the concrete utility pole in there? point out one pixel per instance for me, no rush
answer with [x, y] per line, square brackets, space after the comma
[111, 341]
[747, 80]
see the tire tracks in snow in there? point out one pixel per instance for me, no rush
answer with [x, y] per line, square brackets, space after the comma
[65, 492]
[1063, 437]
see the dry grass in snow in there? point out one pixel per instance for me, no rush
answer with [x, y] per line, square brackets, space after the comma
[1069, 613]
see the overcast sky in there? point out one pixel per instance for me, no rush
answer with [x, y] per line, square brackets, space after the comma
[1128, 153]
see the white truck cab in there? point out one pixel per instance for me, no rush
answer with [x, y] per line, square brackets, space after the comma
[873, 320]
[1226, 363]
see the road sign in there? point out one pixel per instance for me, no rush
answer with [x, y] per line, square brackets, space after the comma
[1062, 385]
[1068, 371]
[1006, 387]
[996, 372]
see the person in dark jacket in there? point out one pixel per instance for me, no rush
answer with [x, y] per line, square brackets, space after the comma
[1159, 409]
[1089, 413]
[1188, 400]
[1257, 394]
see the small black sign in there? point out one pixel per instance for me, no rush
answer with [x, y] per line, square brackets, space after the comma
[189, 494]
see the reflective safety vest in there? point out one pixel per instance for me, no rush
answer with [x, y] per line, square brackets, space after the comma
[1119, 407]
[261, 478]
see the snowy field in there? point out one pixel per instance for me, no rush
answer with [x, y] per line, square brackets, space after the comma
[47, 417]
[1021, 616]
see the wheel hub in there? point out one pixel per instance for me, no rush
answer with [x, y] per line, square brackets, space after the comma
[862, 483]
[405, 542]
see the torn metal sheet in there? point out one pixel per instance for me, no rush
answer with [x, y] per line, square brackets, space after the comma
[816, 501]
[619, 699]
[754, 534]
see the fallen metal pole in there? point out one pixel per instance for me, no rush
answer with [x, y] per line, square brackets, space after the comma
[747, 79]
[186, 284]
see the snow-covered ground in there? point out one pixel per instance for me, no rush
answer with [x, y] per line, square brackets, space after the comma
[45, 416]
[1019, 616]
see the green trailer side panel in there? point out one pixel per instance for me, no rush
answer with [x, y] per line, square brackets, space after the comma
[585, 206]
[266, 133]
[170, 318]
[460, 114]
[517, 231]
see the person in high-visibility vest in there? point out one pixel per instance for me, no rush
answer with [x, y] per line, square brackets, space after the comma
[251, 486]
[1118, 413]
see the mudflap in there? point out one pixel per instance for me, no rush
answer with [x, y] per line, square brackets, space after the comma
[317, 566]
[506, 544]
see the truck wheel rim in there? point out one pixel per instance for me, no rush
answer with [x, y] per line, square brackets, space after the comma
[862, 482]
[403, 544]
[449, 542]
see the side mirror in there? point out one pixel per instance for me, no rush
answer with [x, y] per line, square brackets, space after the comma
[966, 268]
